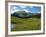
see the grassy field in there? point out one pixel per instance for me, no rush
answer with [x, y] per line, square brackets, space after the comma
[23, 24]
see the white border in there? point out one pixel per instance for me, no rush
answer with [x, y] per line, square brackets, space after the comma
[18, 0]
[23, 32]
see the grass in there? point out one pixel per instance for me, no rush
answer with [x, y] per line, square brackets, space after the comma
[23, 24]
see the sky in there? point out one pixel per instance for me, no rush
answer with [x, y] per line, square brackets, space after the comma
[28, 9]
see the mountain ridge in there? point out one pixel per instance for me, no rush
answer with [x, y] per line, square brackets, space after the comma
[25, 14]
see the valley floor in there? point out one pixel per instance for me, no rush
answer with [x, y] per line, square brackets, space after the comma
[23, 24]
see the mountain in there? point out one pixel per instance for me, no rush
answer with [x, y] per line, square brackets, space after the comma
[20, 12]
[23, 14]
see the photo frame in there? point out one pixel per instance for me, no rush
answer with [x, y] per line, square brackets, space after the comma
[23, 24]
[20, 0]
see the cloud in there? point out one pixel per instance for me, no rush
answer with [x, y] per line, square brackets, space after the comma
[22, 6]
[12, 11]
[38, 12]
[31, 6]
[13, 8]
[27, 11]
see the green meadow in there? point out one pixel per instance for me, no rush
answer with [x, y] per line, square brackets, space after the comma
[24, 24]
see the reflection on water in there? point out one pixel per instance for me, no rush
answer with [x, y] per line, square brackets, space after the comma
[13, 26]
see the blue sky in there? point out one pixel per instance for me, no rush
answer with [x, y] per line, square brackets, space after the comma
[31, 9]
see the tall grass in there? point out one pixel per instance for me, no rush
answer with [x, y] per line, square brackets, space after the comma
[23, 24]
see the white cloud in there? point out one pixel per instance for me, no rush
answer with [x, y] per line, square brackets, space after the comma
[14, 7]
[31, 7]
[12, 11]
[38, 12]
[23, 6]
[27, 11]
